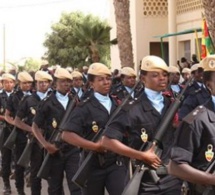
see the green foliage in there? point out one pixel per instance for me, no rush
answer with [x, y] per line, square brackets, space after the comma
[32, 65]
[77, 37]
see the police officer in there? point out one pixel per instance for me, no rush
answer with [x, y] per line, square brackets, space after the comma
[85, 74]
[8, 82]
[197, 93]
[25, 82]
[195, 144]
[107, 169]
[186, 74]
[140, 120]
[27, 110]
[128, 81]
[48, 117]
[77, 84]
[196, 72]
[174, 77]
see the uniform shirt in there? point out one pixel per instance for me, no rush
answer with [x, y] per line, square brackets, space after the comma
[28, 108]
[80, 93]
[140, 115]
[120, 91]
[3, 103]
[88, 115]
[13, 102]
[176, 88]
[88, 111]
[192, 88]
[137, 115]
[13, 105]
[48, 117]
[200, 97]
[195, 134]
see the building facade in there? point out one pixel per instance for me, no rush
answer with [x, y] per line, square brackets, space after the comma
[153, 18]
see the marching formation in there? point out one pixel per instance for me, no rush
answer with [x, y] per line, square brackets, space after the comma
[151, 133]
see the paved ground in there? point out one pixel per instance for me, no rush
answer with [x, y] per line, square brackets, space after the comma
[27, 190]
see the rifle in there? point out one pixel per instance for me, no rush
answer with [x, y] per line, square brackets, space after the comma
[2, 134]
[205, 190]
[134, 183]
[81, 176]
[10, 141]
[55, 137]
[26, 154]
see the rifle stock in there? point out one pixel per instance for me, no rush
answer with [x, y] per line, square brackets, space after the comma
[26, 154]
[80, 177]
[167, 119]
[9, 143]
[44, 170]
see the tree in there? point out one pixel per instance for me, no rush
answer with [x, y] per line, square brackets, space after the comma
[122, 18]
[94, 35]
[76, 38]
[209, 7]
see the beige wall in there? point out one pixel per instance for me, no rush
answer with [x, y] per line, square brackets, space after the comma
[144, 29]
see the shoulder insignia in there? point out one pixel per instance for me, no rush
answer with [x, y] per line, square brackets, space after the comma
[130, 103]
[83, 102]
[194, 114]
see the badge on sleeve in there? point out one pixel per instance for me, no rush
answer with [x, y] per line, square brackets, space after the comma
[144, 135]
[33, 111]
[209, 154]
[95, 127]
[54, 123]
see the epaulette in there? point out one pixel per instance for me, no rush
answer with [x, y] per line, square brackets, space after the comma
[194, 114]
[83, 102]
[24, 98]
[46, 98]
[131, 103]
[195, 91]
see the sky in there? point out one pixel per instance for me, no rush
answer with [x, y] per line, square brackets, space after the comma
[26, 22]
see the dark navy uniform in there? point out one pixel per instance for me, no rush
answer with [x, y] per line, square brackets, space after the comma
[120, 92]
[195, 135]
[192, 88]
[141, 114]
[48, 117]
[108, 169]
[196, 98]
[27, 111]
[6, 153]
[21, 139]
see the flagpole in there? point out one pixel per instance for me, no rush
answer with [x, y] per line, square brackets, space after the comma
[197, 45]
[4, 49]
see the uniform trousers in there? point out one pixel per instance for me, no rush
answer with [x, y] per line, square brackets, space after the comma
[113, 177]
[19, 170]
[68, 162]
[35, 164]
[6, 159]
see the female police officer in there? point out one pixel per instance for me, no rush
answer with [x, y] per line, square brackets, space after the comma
[194, 149]
[140, 121]
[48, 117]
[90, 115]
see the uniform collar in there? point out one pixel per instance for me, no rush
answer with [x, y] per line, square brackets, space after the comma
[97, 104]
[147, 106]
[211, 109]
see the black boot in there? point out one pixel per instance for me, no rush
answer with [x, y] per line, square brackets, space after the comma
[7, 189]
[20, 192]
